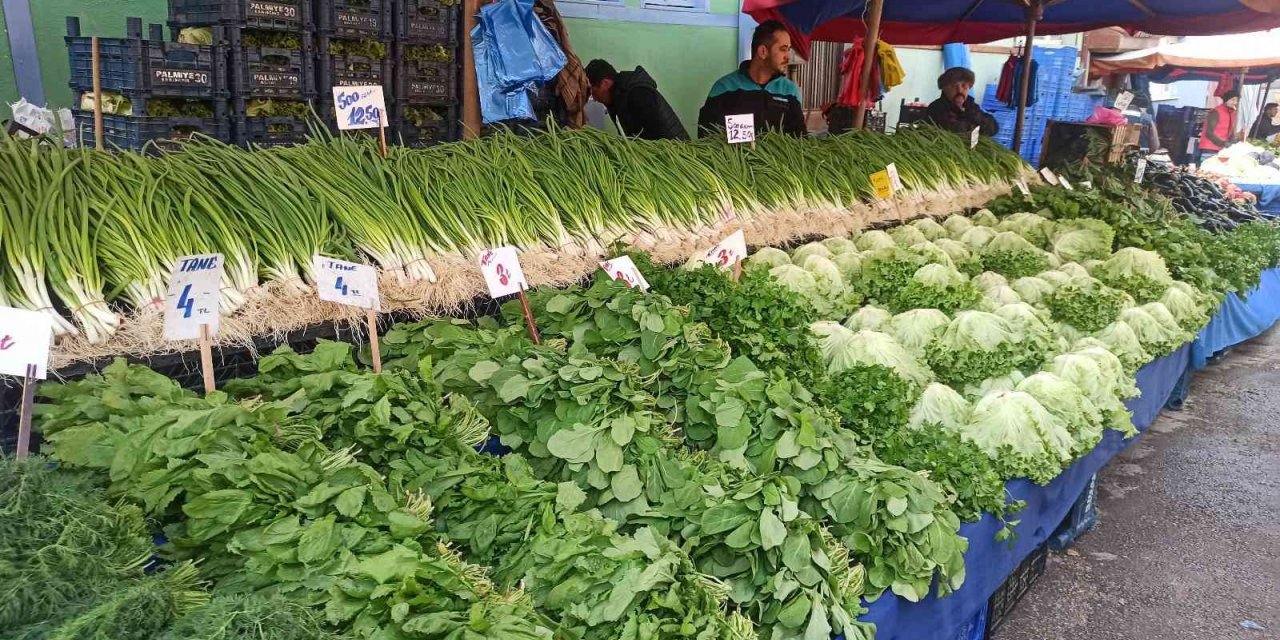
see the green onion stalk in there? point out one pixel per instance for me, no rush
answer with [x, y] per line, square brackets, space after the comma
[76, 277]
[32, 191]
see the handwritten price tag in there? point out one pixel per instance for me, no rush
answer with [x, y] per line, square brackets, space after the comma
[624, 269]
[502, 272]
[1049, 175]
[973, 137]
[360, 107]
[883, 184]
[348, 283]
[1123, 101]
[192, 300]
[1022, 186]
[25, 339]
[728, 252]
[740, 128]
[1065, 185]
[1141, 171]
[894, 178]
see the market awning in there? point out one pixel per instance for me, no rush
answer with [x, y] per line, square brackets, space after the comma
[937, 22]
[1257, 57]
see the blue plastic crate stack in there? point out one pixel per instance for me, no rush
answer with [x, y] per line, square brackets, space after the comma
[1054, 101]
[428, 71]
[153, 91]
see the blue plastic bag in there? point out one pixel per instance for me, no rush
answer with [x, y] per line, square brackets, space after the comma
[496, 105]
[515, 55]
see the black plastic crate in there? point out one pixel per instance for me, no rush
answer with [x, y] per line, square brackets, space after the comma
[270, 15]
[361, 19]
[272, 72]
[147, 66]
[344, 70]
[409, 134]
[1001, 604]
[427, 21]
[270, 132]
[1082, 517]
[426, 82]
[133, 133]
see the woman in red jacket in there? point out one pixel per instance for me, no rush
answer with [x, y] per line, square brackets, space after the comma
[1220, 126]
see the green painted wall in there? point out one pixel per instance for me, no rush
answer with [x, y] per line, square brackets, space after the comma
[684, 60]
[103, 18]
[8, 84]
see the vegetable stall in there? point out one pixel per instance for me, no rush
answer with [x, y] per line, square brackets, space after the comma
[861, 432]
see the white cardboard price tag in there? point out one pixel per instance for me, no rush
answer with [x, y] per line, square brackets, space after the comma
[360, 107]
[894, 177]
[502, 272]
[1088, 184]
[1141, 171]
[740, 128]
[1049, 175]
[973, 137]
[1065, 185]
[624, 269]
[193, 297]
[1123, 101]
[349, 283]
[728, 252]
[25, 338]
[1022, 186]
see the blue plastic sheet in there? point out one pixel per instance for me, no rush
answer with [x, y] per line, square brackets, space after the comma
[515, 54]
[988, 562]
[1268, 197]
[1239, 320]
[955, 54]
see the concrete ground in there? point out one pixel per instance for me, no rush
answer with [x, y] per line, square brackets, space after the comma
[1188, 540]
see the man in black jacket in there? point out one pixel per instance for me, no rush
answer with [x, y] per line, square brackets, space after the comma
[634, 103]
[759, 87]
[955, 109]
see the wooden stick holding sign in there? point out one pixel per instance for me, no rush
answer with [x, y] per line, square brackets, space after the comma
[25, 341]
[355, 285]
[363, 107]
[191, 309]
[504, 276]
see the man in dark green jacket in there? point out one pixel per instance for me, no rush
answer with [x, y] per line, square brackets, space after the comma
[759, 87]
[634, 103]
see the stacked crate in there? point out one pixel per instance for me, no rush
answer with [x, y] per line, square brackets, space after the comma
[172, 91]
[355, 48]
[269, 48]
[427, 71]
[1054, 101]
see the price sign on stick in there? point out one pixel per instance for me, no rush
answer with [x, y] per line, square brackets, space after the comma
[883, 184]
[1065, 185]
[192, 301]
[191, 310]
[1049, 175]
[503, 275]
[25, 339]
[740, 128]
[1141, 172]
[973, 137]
[894, 178]
[355, 285]
[624, 269]
[1123, 101]
[1022, 186]
[360, 107]
[728, 253]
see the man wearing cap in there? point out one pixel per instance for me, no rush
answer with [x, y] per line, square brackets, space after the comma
[1220, 126]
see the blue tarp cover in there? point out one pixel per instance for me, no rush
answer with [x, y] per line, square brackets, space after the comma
[988, 562]
[1268, 196]
[1239, 320]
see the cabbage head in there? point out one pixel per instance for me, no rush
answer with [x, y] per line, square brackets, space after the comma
[935, 286]
[931, 252]
[1001, 295]
[1055, 277]
[1190, 309]
[1022, 436]
[975, 346]
[768, 258]
[1142, 274]
[917, 329]
[850, 265]
[1157, 337]
[942, 406]
[844, 348]
[874, 239]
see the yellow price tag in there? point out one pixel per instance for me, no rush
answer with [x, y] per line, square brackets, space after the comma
[883, 184]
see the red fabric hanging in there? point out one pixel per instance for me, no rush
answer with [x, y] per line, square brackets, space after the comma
[1004, 90]
[851, 68]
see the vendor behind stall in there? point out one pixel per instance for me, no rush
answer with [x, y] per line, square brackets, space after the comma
[955, 110]
[1265, 127]
[1220, 126]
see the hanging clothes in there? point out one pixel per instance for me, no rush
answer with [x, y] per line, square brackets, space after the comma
[851, 69]
[1004, 89]
[1019, 67]
[891, 72]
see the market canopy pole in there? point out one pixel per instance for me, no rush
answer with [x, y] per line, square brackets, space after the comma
[470, 87]
[1035, 11]
[869, 46]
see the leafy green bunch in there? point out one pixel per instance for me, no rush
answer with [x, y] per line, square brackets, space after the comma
[1086, 304]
